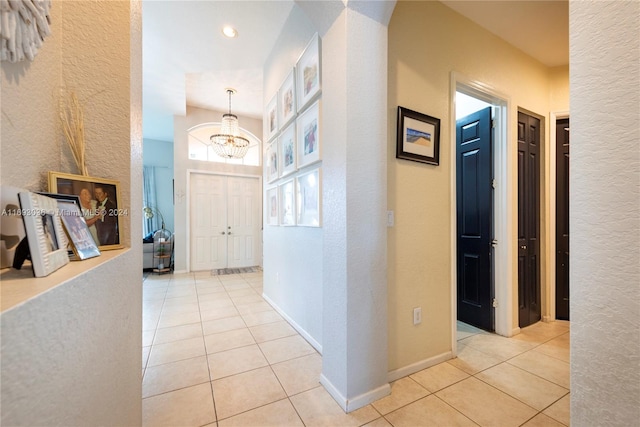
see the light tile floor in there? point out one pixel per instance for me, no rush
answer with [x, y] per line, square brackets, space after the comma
[216, 354]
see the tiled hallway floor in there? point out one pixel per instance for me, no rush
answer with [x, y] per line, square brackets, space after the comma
[216, 354]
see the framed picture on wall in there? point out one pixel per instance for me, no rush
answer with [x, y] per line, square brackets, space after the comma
[309, 141]
[46, 238]
[287, 149]
[287, 100]
[309, 199]
[287, 203]
[418, 137]
[272, 161]
[271, 118]
[308, 73]
[100, 205]
[272, 206]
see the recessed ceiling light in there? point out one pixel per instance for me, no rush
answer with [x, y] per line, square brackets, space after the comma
[230, 32]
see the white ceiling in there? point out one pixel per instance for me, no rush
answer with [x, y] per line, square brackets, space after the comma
[187, 60]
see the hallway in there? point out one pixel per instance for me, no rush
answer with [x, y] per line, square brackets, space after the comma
[216, 354]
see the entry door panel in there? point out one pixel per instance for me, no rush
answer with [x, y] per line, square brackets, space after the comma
[474, 219]
[528, 219]
[243, 222]
[208, 222]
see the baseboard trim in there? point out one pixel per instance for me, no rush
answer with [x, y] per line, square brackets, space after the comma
[315, 344]
[357, 402]
[514, 331]
[180, 271]
[418, 366]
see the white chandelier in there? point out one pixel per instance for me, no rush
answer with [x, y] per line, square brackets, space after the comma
[228, 143]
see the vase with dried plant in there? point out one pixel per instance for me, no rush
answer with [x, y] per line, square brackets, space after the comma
[72, 119]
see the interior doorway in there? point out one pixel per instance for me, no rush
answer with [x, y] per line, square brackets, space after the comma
[224, 221]
[562, 219]
[469, 96]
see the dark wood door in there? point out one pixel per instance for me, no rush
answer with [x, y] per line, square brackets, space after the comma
[562, 219]
[474, 220]
[528, 219]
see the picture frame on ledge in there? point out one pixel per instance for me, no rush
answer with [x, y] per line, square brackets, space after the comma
[309, 137]
[309, 199]
[418, 137]
[100, 204]
[309, 73]
[287, 203]
[272, 206]
[287, 150]
[46, 238]
[287, 100]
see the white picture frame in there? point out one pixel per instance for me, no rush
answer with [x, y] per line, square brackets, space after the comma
[309, 199]
[287, 150]
[271, 118]
[309, 137]
[287, 200]
[287, 100]
[272, 206]
[46, 237]
[272, 161]
[309, 73]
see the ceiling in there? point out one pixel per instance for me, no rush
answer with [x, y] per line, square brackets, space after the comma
[187, 60]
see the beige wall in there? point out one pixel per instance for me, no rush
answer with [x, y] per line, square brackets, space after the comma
[427, 41]
[71, 356]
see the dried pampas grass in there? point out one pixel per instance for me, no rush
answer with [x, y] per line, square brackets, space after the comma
[72, 120]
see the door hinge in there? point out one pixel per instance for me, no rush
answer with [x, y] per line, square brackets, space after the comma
[495, 303]
[493, 184]
[493, 124]
[494, 243]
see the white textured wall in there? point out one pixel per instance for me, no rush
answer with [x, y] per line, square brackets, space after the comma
[605, 207]
[71, 356]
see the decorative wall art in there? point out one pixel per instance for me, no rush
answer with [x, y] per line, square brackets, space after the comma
[272, 162]
[308, 75]
[100, 205]
[271, 118]
[25, 24]
[309, 142]
[308, 197]
[287, 149]
[46, 238]
[418, 137]
[287, 100]
[287, 203]
[272, 206]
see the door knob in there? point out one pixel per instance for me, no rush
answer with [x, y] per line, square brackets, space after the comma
[222, 232]
[229, 233]
[523, 247]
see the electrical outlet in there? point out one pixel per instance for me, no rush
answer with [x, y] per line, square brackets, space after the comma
[417, 315]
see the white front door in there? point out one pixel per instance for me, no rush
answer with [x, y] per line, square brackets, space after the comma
[225, 221]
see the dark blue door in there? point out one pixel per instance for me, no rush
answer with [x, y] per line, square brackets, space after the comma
[474, 198]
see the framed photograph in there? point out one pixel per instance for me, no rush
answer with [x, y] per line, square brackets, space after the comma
[45, 235]
[272, 162]
[271, 118]
[309, 142]
[308, 75]
[287, 100]
[81, 241]
[418, 137]
[99, 204]
[272, 206]
[308, 197]
[287, 203]
[287, 149]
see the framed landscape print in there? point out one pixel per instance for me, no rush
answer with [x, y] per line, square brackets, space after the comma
[272, 206]
[308, 197]
[309, 141]
[287, 149]
[271, 118]
[287, 100]
[418, 137]
[287, 203]
[45, 236]
[272, 161]
[100, 203]
[308, 75]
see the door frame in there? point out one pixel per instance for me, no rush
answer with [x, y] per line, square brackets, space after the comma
[551, 214]
[188, 204]
[502, 209]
